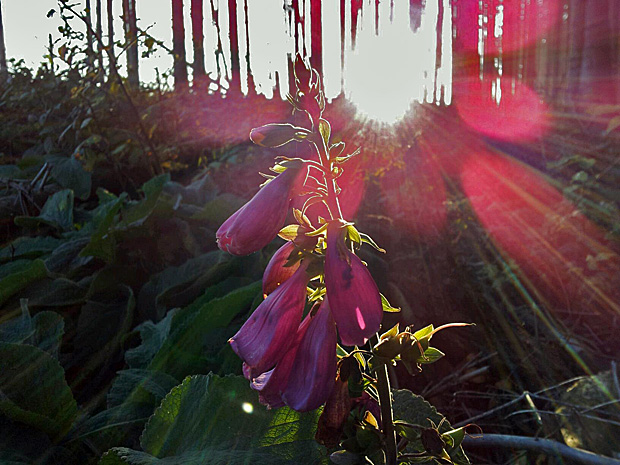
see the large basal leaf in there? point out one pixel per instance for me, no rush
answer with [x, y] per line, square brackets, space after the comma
[57, 212]
[69, 173]
[33, 389]
[207, 414]
[140, 387]
[159, 291]
[153, 337]
[44, 330]
[138, 212]
[28, 247]
[65, 258]
[102, 242]
[60, 292]
[413, 409]
[187, 348]
[20, 276]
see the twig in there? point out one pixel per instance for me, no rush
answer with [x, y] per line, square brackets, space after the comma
[545, 446]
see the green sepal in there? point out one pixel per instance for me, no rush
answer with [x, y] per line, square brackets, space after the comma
[387, 307]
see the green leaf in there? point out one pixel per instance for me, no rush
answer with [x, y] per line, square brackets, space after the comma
[424, 332]
[202, 333]
[57, 212]
[28, 247]
[153, 337]
[413, 409]
[44, 330]
[103, 242]
[9, 172]
[217, 210]
[387, 307]
[33, 389]
[140, 386]
[431, 355]
[173, 286]
[18, 280]
[59, 292]
[140, 211]
[69, 174]
[211, 413]
[614, 123]
[326, 131]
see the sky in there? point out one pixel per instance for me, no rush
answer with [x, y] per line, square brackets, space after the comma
[404, 60]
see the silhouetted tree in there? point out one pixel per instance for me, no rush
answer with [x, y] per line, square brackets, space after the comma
[89, 35]
[234, 46]
[99, 30]
[110, 16]
[316, 35]
[131, 39]
[3, 69]
[178, 45]
[198, 42]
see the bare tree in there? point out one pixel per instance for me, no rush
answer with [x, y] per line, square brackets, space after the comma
[234, 46]
[178, 46]
[3, 68]
[131, 39]
[89, 35]
[110, 15]
[198, 42]
[99, 31]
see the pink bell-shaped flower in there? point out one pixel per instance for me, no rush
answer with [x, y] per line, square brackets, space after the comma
[276, 273]
[271, 384]
[258, 222]
[266, 336]
[313, 372]
[353, 295]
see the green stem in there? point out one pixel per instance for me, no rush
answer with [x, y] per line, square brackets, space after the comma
[332, 198]
[387, 420]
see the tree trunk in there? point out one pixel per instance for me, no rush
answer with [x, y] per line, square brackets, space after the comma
[110, 15]
[3, 69]
[89, 37]
[316, 35]
[235, 67]
[198, 40]
[99, 31]
[178, 46]
[131, 39]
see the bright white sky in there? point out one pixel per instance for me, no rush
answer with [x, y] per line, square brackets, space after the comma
[403, 61]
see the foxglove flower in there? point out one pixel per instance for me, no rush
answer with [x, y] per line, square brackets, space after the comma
[258, 222]
[353, 295]
[266, 336]
[271, 384]
[314, 370]
[276, 273]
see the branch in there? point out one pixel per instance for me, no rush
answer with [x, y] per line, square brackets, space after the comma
[545, 446]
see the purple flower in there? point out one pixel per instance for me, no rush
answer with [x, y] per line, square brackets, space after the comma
[313, 372]
[353, 295]
[271, 384]
[276, 273]
[258, 222]
[266, 336]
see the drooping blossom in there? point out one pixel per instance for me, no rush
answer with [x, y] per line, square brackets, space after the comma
[271, 384]
[314, 370]
[258, 222]
[266, 336]
[276, 272]
[353, 295]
